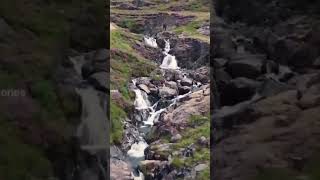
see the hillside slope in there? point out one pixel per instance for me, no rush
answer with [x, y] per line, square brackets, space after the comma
[156, 133]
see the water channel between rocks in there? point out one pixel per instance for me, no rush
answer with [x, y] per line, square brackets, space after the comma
[149, 112]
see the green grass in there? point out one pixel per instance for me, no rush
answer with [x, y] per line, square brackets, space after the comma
[191, 30]
[20, 161]
[126, 63]
[131, 25]
[43, 30]
[177, 163]
[191, 136]
[311, 171]
[117, 116]
[120, 41]
[204, 175]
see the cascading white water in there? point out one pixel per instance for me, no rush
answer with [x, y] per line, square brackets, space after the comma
[136, 152]
[167, 46]
[141, 101]
[143, 105]
[150, 41]
[169, 61]
[93, 121]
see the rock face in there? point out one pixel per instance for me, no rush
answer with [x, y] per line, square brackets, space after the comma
[190, 53]
[245, 66]
[267, 94]
[197, 103]
[167, 92]
[121, 170]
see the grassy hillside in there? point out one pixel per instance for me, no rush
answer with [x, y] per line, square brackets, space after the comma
[126, 63]
[33, 45]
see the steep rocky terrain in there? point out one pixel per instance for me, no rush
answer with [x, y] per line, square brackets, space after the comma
[160, 98]
[40, 107]
[266, 88]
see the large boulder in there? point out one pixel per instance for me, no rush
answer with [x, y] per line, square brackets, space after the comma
[153, 169]
[99, 81]
[119, 170]
[186, 81]
[249, 66]
[197, 103]
[166, 92]
[271, 87]
[238, 90]
[201, 74]
[191, 53]
[145, 88]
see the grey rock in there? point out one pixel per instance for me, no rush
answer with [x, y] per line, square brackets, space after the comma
[167, 92]
[184, 89]
[200, 167]
[100, 81]
[219, 62]
[316, 63]
[171, 84]
[272, 87]
[101, 55]
[144, 88]
[175, 138]
[250, 68]
[186, 82]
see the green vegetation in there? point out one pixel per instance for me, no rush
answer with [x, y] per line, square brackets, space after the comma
[191, 136]
[126, 63]
[204, 175]
[117, 116]
[41, 32]
[177, 163]
[191, 30]
[198, 5]
[19, 161]
[131, 25]
[309, 172]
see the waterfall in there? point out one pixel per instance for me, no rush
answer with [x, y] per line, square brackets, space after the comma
[150, 41]
[169, 61]
[141, 101]
[93, 127]
[150, 113]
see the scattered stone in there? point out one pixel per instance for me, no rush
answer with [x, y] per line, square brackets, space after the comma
[184, 89]
[200, 167]
[99, 81]
[101, 55]
[167, 92]
[219, 62]
[175, 138]
[249, 66]
[186, 82]
[273, 87]
[316, 63]
[171, 84]
[144, 88]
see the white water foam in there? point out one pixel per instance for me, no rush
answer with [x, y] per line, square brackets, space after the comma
[150, 41]
[169, 61]
[141, 101]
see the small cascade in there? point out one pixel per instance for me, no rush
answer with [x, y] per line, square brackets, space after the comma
[141, 101]
[150, 41]
[92, 130]
[169, 61]
[93, 126]
[146, 114]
